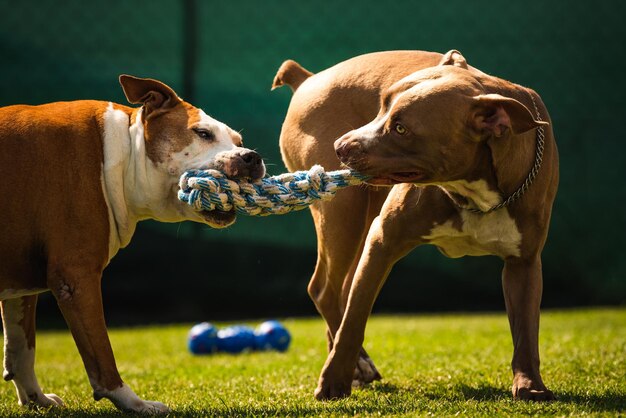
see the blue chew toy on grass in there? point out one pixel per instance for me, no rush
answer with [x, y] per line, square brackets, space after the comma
[204, 338]
[276, 195]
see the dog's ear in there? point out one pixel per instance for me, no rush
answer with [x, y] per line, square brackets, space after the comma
[494, 115]
[454, 57]
[155, 96]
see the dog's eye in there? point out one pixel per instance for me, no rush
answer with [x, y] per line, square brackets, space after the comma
[399, 129]
[205, 134]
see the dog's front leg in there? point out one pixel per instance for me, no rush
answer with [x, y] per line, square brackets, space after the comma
[386, 242]
[79, 297]
[523, 285]
[18, 319]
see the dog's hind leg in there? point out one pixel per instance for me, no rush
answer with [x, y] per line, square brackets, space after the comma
[18, 320]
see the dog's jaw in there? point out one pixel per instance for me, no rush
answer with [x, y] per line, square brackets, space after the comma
[218, 219]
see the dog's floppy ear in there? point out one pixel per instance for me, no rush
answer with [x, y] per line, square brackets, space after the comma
[494, 115]
[154, 95]
[453, 57]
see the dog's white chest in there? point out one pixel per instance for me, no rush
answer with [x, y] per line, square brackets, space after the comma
[495, 233]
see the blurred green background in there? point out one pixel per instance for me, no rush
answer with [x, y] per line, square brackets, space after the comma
[222, 56]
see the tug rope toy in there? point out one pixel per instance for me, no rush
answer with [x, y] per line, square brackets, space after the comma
[276, 195]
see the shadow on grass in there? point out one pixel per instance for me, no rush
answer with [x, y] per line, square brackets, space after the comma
[609, 402]
[383, 387]
[61, 413]
[604, 402]
[483, 392]
[290, 411]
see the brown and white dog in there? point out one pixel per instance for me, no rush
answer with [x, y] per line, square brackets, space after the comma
[76, 177]
[454, 143]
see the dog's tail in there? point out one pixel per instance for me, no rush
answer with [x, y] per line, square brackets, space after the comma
[292, 74]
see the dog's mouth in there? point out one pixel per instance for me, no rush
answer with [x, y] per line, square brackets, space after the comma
[397, 178]
[218, 218]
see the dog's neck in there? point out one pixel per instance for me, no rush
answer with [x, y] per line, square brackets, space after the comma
[513, 155]
[134, 187]
[477, 187]
[476, 194]
[497, 180]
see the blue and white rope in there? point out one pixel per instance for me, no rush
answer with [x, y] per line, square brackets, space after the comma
[276, 195]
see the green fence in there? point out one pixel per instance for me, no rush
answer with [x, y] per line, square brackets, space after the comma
[222, 55]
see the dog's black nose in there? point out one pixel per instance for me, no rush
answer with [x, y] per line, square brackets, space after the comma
[251, 164]
[251, 158]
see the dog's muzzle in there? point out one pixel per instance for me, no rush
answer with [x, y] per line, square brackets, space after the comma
[240, 163]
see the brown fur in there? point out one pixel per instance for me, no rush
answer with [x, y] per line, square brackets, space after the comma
[37, 170]
[460, 125]
[290, 74]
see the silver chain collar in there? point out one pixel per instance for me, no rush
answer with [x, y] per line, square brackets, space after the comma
[531, 175]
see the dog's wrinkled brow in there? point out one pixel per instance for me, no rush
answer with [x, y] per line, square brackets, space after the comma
[394, 91]
[385, 102]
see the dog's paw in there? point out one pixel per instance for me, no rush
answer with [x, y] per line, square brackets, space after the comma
[50, 399]
[336, 378]
[126, 400]
[150, 408]
[40, 400]
[525, 389]
[365, 372]
[327, 390]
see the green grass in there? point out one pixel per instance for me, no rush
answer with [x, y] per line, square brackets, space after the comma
[432, 365]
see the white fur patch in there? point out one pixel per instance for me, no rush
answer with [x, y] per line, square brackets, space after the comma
[481, 234]
[201, 152]
[477, 191]
[19, 359]
[116, 143]
[125, 399]
[223, 140]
